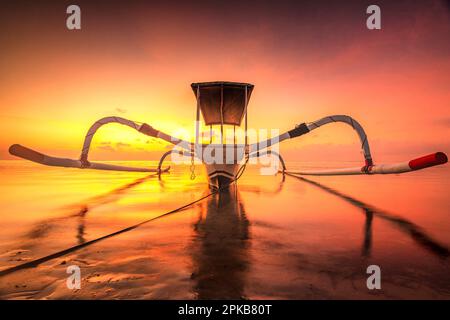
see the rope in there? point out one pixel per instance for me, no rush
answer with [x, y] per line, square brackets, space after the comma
[240, 171]
[192, 167]
[36, 262]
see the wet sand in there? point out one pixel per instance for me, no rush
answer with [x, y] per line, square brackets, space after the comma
[268, 238]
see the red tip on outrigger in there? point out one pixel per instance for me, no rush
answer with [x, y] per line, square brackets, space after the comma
[430, 160]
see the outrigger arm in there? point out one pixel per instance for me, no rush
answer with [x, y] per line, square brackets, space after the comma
[142, 128]
[253, 150]
[84, 163]
[369, 167]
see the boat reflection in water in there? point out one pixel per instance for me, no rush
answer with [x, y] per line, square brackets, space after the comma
[220, 250]
[227, 256]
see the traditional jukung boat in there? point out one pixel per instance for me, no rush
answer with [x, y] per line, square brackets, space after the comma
[225, 104]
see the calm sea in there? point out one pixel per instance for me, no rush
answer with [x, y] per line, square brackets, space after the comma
[271, 237]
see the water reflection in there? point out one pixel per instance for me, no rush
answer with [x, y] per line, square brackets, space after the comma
[414, 231]
[81, 229]
[220, 250]
[80, 210]
[257, 189]
[367, 244]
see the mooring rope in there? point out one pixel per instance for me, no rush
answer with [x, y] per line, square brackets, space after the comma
[36, 262]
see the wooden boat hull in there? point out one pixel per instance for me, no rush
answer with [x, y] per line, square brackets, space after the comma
[221, 175]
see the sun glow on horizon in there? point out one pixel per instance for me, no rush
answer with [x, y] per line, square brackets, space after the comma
[57, 83]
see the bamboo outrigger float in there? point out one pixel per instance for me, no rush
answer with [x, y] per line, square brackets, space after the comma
[225, 103]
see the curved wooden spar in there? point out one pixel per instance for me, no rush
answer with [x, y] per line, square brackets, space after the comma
[195, 149]
[29, 154]
[430, 160]
[305, 128]
[369, 166]
[143, 128]
[83, 163]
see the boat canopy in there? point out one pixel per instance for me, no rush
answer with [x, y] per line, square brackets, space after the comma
[222, 102]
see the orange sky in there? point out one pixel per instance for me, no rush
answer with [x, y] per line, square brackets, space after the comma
[306, 60]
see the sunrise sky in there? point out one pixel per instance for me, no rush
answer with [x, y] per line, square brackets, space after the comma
[306, 59]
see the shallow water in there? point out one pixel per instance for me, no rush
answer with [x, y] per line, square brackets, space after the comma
[293, 239]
